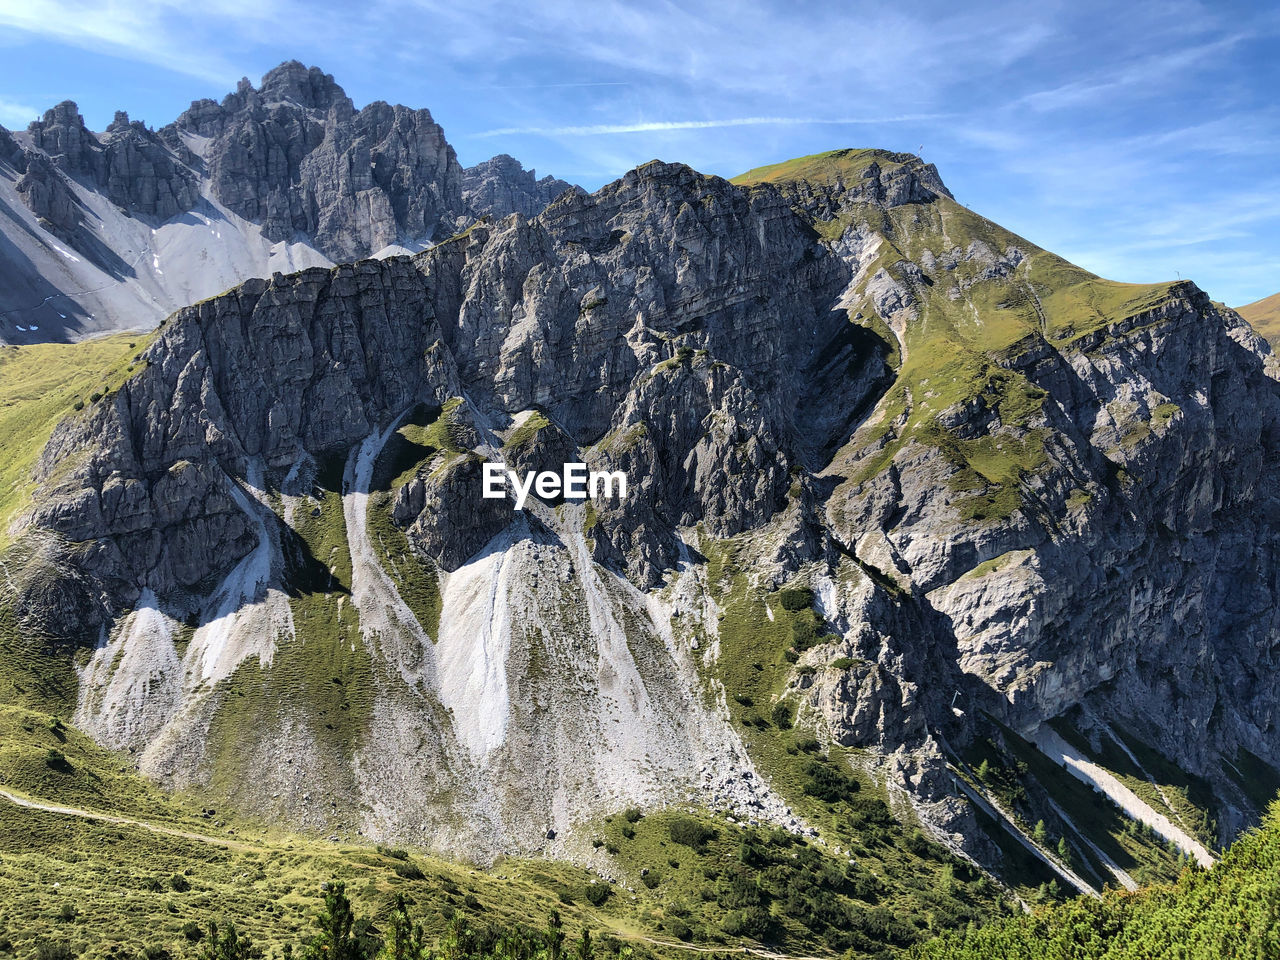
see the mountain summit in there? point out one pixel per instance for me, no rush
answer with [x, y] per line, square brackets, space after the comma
[115, 230]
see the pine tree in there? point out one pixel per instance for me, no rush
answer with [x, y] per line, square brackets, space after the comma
[1040, 834]
[335, 938]
[984, 770]
[225, 944]
[405, 939]
[554, 936]
[1064, 851]
[585, 950]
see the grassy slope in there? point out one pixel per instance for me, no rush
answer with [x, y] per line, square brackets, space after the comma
[109, 889]
[425, 438]
[818, 168]
[955, 348]
[1232, 910]
[39, 385]
[919, 882]
[1264, 316]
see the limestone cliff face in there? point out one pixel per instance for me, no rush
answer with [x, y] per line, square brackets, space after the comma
[501, 186]
[297, 157]
[272, 178]
[129, 164]
[1011, 488]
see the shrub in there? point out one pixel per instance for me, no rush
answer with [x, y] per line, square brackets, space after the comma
[678, 928]
[628, 831]
[596, 893]
[49, 950]
[632, 814]
[796, 598]
[748, 922]
[743, 699]
[179, 883]
[828, 784]
[56, 760]
[783, 717]
[805, 631]
[192, 931]
[651, 880]
[690, 832]
[409, 871]
[842, 663]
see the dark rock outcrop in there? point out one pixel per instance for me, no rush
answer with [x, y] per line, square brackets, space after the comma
[502, 186]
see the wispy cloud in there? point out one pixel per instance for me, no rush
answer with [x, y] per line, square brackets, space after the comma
[1139, 136]
[16, 116]
[155, 31]
[658, 126]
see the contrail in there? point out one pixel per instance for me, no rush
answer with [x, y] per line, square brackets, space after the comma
[661, 125]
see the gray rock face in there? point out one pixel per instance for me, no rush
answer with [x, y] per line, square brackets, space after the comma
[10, 150]
[442, 515]
[47, 194]
[135, 170]
[1088, 521]
[217, 393]
[63, 137]
[614, 346]
[142, 175]
[294, 158]
[297, 157]
[501, 186]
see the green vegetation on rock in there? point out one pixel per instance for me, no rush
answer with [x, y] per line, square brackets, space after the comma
[1232, 910]
[41, 384]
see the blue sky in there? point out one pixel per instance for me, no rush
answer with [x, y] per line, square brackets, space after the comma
[1137, 139]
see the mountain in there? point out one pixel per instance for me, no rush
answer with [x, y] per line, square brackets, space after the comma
[114, 231]
[929, 537]
[1264, 316]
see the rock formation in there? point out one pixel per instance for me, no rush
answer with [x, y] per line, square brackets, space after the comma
[275, 177]
[1004, 491]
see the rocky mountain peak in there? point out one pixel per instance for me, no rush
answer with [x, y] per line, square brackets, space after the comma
[10, 149]
[292, 157]
[308, 87]
[501, 186]
[62, 135]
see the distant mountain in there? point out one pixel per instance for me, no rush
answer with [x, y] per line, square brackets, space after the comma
[116, 230]
[1264, 316]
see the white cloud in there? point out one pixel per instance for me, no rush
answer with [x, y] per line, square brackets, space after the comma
[658, 126]
[167, 33]
[16, 116]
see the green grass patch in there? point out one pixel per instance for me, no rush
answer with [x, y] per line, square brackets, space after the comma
[828, 167]
[42, 383]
